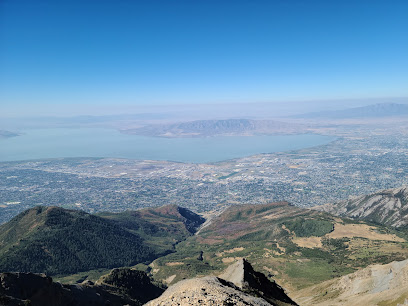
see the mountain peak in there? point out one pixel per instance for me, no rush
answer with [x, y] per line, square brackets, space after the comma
[243, 275]
[240, 284]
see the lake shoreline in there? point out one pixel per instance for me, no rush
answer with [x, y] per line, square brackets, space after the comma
[108, 143]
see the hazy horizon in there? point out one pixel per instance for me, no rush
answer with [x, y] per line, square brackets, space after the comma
[244, 109]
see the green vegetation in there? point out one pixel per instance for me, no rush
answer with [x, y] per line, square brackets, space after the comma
[267, 236]
[310, 227]
[287, 243]
[92, 275]
[311, 272]
[59, 241]
[62, 241]
[335, 245]
[160, 228]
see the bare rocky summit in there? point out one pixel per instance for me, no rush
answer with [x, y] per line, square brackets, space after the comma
[208, 290]
[238, 285]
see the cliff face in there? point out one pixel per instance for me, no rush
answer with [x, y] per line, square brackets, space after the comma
[388, 207]
[238, 285]
[255, 283]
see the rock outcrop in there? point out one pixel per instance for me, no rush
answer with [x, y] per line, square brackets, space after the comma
[132, 283]
[238, 285]
[242, 275]
[120, 287]
[209, 290]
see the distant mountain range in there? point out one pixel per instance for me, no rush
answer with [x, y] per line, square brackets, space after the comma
[228, 127]
[371, 111]
[107, 121]
[7, 134]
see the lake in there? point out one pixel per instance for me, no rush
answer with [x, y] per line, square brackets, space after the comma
[93, 142]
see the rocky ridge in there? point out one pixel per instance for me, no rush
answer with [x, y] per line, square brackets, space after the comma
[120, 287]
[238, 285]
[388, 207]
[375, 285]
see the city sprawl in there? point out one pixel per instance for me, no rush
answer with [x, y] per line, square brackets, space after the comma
[361, 160]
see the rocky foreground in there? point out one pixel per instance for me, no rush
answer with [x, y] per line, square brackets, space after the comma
[120, 287]
[238, 285]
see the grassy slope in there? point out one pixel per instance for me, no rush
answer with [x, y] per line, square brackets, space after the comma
[266, 236]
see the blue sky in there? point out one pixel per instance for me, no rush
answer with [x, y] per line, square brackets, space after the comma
[76, 53]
